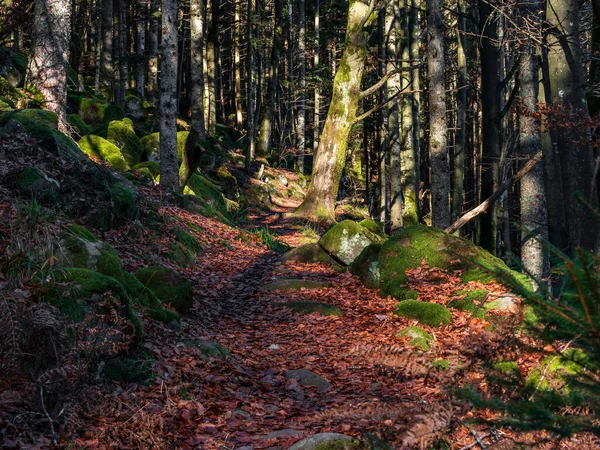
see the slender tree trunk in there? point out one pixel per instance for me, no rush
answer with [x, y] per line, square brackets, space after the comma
[251, 89]
[169, 165]
[140, 66]
[290, 65]
[533, 197]
[212, 58]
[461, 115]
[122, 54]
[197, 74]
[331, 155]
[48, 60]
[568, 91]
[98, 71]
[393, 54]
[316, 76]
[152, 84]
[409, 151]
[383, 136]
[237, 61]
[411, 183]
[438, 147]
[302, 83]
[266, 124]
[107, 47]
[491, 128]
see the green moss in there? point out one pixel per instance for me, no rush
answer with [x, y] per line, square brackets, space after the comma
[346, 240]
[212, 349]
[307, 307]
[124, 200]
[470, 302]
[441, 364]
[181, 139]
[164, 315]
[169, 286]
[151, 144]
[506, 366]
[34, 183]
[29, 176]
[430, 314]
[152, 166]
[373, 227]
[6, 104]
[122, 134]
[188, 241]
[339, 444]
[180, 255]
[31, 117]
[139, 293]
[366, 266]
[206, 190]
[419, 337]
[82, 233]
[413, 244]
[101, 148]
[562, 372]
[78, 123]
[308, 253]
[96, 112]
[9, 92]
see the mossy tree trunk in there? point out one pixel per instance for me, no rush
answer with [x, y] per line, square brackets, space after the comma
[568, 92]
[266, 123]
[410, 146]
[534, 215]
[47, 69]
[169, 176]
[330, 159]
[438, 147]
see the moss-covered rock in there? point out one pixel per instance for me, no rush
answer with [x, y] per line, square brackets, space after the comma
[101, 148]
[366, 266]
[418, 337]
[373, 227]
[227, 181]
[6, 104]
[346, 240]
[169, 286]
[33, 182]
[327, 441]
[181, 140]
[427, 313]
[8, 91]
[95, 112]
[308, 253]
[212, 349]
[308, 307]
[128, 369]
[31, 117]
[164, 315]
[13, 66]
[414, 244]
[134, 108]
[469, 300]
[79, 124]
[152, 166]
[86, 297]
[122, 135]
[206, 190]
[151, 144]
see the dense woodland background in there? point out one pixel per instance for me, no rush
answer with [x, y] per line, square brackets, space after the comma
[479, 118]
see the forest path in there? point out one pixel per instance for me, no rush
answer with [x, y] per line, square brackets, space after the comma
[206, 397]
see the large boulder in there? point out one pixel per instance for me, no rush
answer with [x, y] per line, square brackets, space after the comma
[366, 266]
[122, 135]
[79, 248]
[13, 66]
[33, 182]
[327, 441]
[93, 111]
[151, 146]
[105, 150]
[307, 253]
[169, 286]
[346, 240]
[407, 250]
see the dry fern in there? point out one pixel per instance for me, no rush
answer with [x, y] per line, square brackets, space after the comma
[11, 333]
[428, 428]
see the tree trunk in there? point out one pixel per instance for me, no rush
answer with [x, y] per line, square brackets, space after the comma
[331, 156]
[108, 76]
[409, 152]
[169, 177]
[152, 84]
[438, 147]
[237, 61]
[491, 128]
[568, 91]
[122, 54]
[266, 124]
[411, 189]
[140, 65]
[393, 53]
[197, 74]
[533, 197]
[251, 86]
[461, 115]
[316, 76]
[48, 60]
[302, 83]
[212, 61]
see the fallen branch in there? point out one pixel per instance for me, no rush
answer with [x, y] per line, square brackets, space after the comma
[466, 218]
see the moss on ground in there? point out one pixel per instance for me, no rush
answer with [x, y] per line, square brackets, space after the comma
[31, 117]
[164, 315]
[79, 124]
[96, 112]
[204, 189]
[339, 444]
[82, 232]
[470, 302]
[99, 147]
[212, 349]
[419, 337]
[128, 369]
[308, 307]
[169, 286]
[427, 313]
[9, 92]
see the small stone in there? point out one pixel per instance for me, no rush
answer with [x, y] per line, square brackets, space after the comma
[273, 347]
[322, 439]
[307, 378]
[501, 304]
[283, 180]
[290, 284]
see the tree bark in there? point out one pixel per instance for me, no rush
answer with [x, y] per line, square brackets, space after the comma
[251, 89]
[212, 61]
[169, 165]
[140, 63]
[237, 61]
[316, 76]
[266, 123]
[107, 78]
[302, 82]
[48, 60]
[152, 84]
[197, 74]
[438, 147]
[330, 159]
[568, 92]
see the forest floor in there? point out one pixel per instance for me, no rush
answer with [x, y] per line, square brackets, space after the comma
[374, 386]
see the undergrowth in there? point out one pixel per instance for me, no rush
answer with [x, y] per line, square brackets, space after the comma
[270, 240]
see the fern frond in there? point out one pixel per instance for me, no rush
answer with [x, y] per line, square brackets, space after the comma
[11, 333]
[428, 428]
